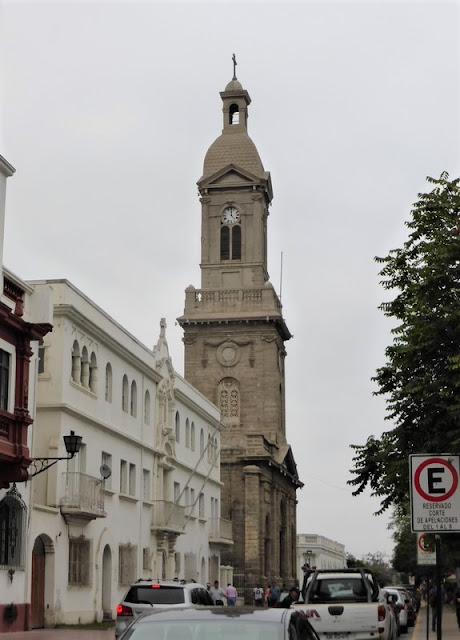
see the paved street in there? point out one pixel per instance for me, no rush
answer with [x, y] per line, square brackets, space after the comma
[450, 631]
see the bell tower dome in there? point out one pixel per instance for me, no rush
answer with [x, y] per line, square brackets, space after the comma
[235, 192]
[234, 335]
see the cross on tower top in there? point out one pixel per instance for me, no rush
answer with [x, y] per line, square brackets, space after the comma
[234, 66]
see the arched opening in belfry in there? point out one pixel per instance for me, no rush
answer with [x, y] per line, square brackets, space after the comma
[225, 243]
[230, 239]
[236, 243]
[234, 114]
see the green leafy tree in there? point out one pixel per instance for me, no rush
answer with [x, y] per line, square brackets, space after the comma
[421, 377]
[376, 563]
[405, 550]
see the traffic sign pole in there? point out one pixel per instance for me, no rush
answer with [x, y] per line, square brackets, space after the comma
[439, 602]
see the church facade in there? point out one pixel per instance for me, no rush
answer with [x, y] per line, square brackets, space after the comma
[234, 337]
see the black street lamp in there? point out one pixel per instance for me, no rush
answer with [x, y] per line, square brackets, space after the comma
[72, 446]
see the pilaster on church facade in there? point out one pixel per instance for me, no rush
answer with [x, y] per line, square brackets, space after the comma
[234, 337]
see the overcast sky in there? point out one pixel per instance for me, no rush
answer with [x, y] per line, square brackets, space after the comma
[107, 111]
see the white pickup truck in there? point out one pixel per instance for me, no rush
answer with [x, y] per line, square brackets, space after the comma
[346, 604]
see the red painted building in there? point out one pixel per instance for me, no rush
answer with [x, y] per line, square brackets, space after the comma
[20, 336]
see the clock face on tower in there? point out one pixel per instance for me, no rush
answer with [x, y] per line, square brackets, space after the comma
[230, 215]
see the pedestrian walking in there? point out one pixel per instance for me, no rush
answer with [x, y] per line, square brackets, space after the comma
[273, 595]
[259, 596]
[217, 593]
[433, 599]
[231, 594]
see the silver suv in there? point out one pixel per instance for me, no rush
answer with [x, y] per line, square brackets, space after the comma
[147, 594]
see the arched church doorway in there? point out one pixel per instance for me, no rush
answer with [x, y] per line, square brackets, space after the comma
[107, 583]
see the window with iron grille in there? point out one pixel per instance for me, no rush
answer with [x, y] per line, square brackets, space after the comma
[4, 378]
[13, 517]
[127, 564]
[79, 561]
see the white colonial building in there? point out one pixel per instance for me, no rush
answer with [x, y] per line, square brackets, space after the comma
[318, 552]
[142, 497]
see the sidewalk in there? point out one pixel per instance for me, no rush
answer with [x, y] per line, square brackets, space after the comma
[449, 627]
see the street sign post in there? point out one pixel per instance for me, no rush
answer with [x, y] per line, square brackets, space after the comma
[426, 553]
[435, 493]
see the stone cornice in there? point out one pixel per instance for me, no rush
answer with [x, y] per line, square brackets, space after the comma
[69, 311]
[86, 417]
[80, 415]
[6, 168]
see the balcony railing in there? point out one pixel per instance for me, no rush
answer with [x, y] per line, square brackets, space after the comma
[82, 498]
[257, 300]
[221, 531]
[168, 517]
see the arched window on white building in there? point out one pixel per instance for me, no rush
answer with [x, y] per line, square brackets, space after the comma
[187, 433]
[133, 404]
[93, 373]
[192, 436]
[108, 382]
[177, 426]
[76, 363]
[84, 368]
[147, 407]
[124, 393]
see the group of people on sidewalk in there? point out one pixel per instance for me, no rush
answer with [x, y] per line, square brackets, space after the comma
[218, 594]
[273, 596]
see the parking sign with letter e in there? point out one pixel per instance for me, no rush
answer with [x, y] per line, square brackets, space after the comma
[435, 494]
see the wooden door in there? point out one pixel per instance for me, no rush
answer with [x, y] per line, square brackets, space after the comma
[37, 604]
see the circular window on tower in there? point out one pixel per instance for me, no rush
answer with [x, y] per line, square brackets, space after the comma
[228, 354]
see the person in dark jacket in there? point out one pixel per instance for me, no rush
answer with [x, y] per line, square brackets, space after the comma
[291, 597]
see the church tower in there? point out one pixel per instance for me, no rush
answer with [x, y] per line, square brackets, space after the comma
[234, 335]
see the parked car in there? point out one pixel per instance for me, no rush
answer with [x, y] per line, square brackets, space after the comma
[415, 599]
[144, 595]
[346, 603]
[391, 599]
[402, 601]
[220, 623]
[411, 605]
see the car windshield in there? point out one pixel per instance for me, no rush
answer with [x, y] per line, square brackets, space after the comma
[213, 630]
[350, 589]
[146, 594]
